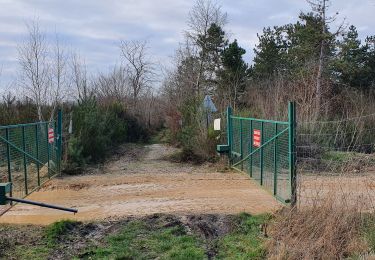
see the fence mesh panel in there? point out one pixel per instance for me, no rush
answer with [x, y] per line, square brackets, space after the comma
[336, 162]
[27, 159]
[267, 162]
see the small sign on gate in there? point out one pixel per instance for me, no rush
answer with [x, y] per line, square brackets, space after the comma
[51, 135]
[256, 138]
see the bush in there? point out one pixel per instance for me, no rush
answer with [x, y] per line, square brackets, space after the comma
[76, 159]
[98, 128]
[89, 130]
[198, 143]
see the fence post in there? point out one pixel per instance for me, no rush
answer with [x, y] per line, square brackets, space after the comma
[229, 133]
[37, 151]
[275, 162]
[24, 159]
[241, 144]
[9, 158]
[59, 139]
[292, 152]
[261, 153]
[251, 148]
[48, 166]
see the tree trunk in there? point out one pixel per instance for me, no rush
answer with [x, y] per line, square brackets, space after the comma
[321, 63]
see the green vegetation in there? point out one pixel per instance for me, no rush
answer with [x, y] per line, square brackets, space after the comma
[57, 230]
[246, 241]
[337, 156]
[290, 48]
[32, 252]
[110, 125]
[139, 240]
[161, 137]
[241, 236]
[368, 231]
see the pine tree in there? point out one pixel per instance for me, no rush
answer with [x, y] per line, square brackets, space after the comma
[269, 53]
[233, 74]
[350, 64]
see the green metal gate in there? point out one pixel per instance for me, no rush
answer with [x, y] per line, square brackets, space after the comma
[265, 149]
[30, 154]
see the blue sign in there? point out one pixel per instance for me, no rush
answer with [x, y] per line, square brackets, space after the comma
[208, 104]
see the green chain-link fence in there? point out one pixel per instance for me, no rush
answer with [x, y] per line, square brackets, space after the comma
[30, 154]
[265, 149]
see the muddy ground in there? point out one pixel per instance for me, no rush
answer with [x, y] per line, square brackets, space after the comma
[140, 180]
[80, 238]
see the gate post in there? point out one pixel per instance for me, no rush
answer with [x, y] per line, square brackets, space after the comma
[251, 148]
[59, 140]
[261, 154]
[48, 150]
[24, 159]
[241, 144]
[37, 151]
[229, 133]
[292, 152]
[9, 158]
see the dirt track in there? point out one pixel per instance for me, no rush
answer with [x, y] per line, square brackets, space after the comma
[140, 181]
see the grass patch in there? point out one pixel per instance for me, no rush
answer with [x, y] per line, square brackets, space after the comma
[22, 242]
[246, 240]
[33, 252]
[55, 231]
[337, 156]
[368, 231]
[162, 137]
[141, 240]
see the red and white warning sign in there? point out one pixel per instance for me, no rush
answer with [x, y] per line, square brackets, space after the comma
[256, 138]
[51, 135]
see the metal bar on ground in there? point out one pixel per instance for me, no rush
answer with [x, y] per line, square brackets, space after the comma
[41, 204]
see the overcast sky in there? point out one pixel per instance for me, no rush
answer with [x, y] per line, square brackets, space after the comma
[94, 27]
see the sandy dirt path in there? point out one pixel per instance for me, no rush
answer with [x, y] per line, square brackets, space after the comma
[140, 181]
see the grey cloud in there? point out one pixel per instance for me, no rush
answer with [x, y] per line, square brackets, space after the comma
[95, 27]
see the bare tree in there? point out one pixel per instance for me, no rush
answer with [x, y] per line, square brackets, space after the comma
[34, 66]
[320, 7]
[139, 67]
[203, 14]
[113, 85]
[43, 69]
[59, 75]
[79, 77]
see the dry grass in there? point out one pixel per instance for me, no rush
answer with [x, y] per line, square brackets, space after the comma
[329, 222]
[322, 232]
